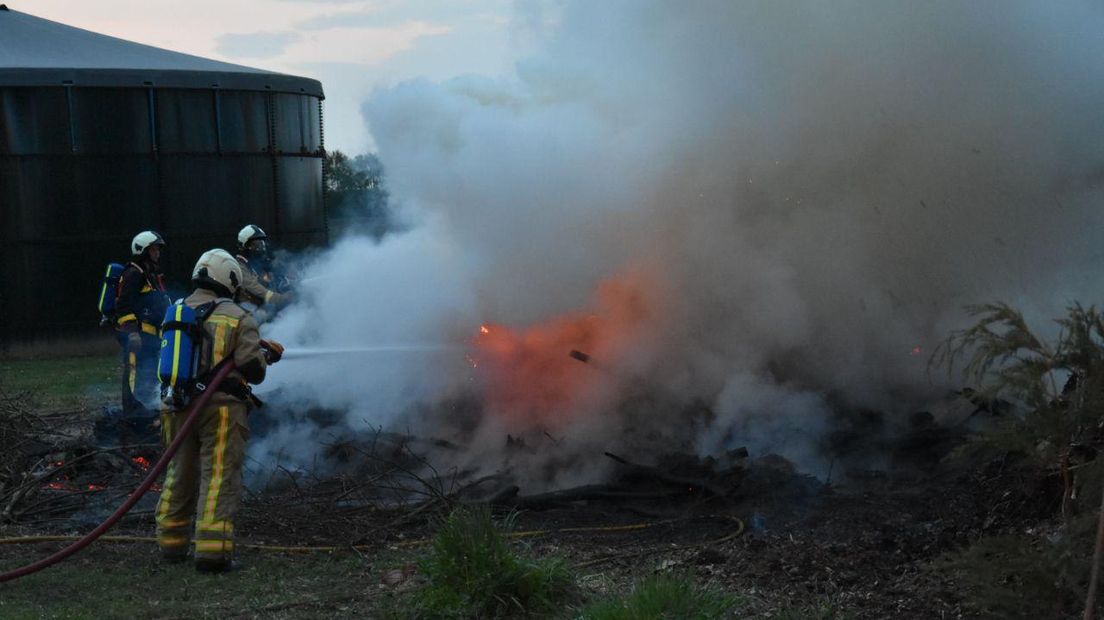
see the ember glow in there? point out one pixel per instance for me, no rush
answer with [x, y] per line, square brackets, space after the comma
[142, 462]
[529, 379]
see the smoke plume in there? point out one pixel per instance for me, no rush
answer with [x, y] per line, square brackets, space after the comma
[796, 199]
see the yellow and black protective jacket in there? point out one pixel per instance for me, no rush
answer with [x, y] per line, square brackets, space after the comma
[230, 331]
[141, 302]
[254, 287]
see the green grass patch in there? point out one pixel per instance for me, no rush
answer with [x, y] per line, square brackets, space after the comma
[130, 581]
[664, 597]
[63, 383]
[472, 572]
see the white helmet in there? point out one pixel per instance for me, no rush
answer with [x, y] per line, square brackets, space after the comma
[143, 240]
[215, 269]
[249, 233]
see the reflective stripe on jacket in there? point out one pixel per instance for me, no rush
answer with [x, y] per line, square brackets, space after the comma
[230, 331]
[141, 301]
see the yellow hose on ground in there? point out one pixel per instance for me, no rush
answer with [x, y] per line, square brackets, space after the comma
[644, 552]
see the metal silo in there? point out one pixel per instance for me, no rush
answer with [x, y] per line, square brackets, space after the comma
[101, 137]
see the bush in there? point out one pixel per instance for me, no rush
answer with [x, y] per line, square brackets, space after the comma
[472, 572]
[1018, 577]
[1060, 385]
[663, 598]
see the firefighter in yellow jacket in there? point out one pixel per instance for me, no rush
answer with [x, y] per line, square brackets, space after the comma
[256, 278]
[203, 483]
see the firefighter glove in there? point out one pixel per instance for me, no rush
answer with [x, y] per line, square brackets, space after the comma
[273, 351]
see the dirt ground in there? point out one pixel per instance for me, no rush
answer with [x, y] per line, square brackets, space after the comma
[802, 549]
[788, 546]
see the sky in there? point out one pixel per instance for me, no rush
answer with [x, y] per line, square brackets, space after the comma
[352, 46]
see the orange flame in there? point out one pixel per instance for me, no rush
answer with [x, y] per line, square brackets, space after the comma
[529, 378]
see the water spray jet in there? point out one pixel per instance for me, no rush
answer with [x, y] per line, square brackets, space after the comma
[311, 352]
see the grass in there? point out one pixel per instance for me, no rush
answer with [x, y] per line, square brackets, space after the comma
[664, 597]
[129, 581]
[63, 383]
[472, 572]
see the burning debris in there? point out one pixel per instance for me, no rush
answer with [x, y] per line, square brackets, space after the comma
[53, 469]
[528, 382]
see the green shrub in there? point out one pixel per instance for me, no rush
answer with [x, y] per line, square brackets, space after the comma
[472, 572]
[1019, 577]
[1004, 357]
[664, 598]
[1036, 576]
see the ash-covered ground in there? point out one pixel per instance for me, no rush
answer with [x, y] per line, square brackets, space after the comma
[864, 543]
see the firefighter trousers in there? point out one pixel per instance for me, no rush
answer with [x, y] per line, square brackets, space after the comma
[139, 382]
[203, 483]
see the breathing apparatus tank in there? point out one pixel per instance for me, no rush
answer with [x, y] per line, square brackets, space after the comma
[109, 291]
[181, 343]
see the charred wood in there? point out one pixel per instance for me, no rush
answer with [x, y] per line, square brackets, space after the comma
[633, 472]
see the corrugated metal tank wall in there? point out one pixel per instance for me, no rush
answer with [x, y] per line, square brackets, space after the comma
[83, 169]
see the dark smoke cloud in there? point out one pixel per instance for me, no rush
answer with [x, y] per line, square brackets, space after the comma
[820, 186]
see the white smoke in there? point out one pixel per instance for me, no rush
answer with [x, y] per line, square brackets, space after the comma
[819, 186]
[358, 293]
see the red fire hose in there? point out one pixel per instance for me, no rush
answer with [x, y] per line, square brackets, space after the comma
[154, 472]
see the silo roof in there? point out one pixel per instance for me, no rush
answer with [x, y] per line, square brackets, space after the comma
[40, 52]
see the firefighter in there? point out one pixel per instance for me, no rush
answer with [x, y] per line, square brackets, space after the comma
[203, 483]
[139, 307]
[256, 276]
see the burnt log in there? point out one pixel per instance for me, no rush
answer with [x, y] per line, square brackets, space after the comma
[633, 472]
